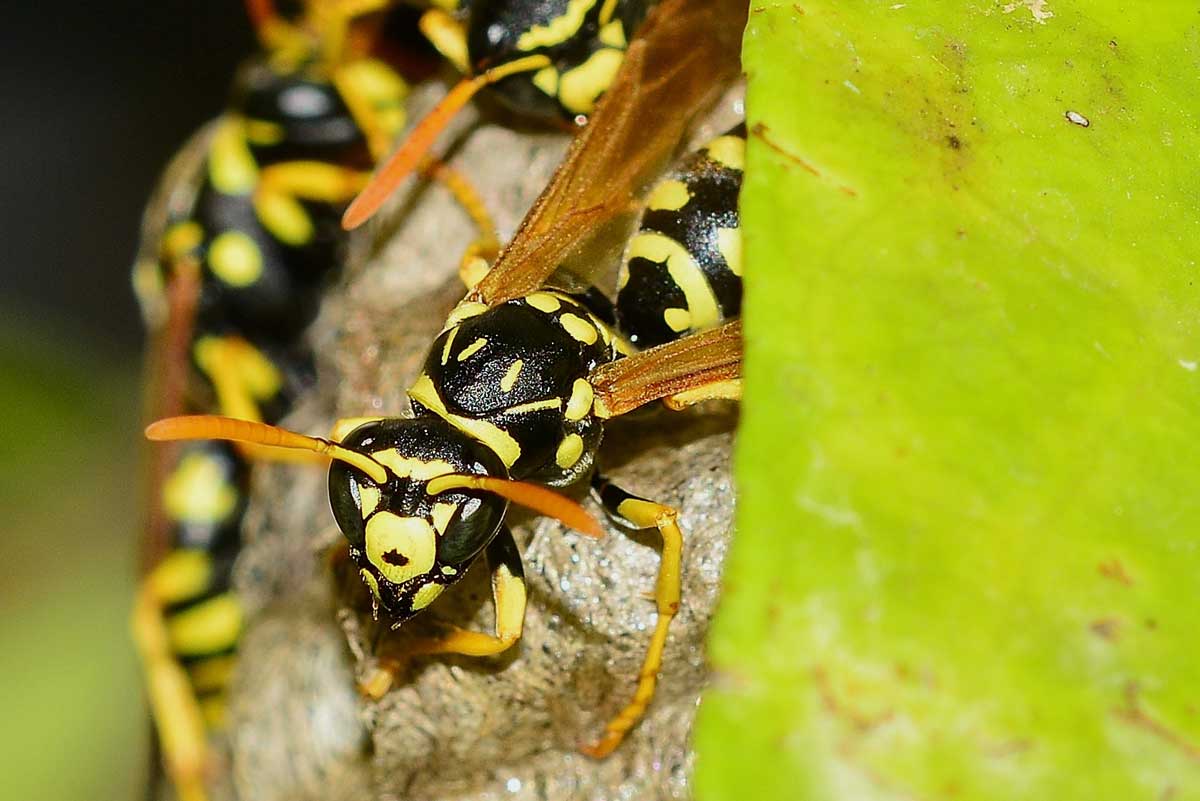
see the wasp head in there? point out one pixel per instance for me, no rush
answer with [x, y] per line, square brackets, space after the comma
[410, 543]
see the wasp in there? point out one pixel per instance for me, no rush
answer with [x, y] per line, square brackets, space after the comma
[231, 274]
[517, 388]
[544, 60]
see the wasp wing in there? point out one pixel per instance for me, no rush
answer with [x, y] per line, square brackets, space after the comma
[685, 54]
[685, 365]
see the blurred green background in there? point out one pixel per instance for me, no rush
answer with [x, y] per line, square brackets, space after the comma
[97, 99]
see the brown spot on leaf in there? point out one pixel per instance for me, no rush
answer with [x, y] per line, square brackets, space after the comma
[1133, 714]
[1107, 628]
[1113, 569]
[759, 130]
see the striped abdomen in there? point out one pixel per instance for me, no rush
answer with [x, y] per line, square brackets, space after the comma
[683, 268]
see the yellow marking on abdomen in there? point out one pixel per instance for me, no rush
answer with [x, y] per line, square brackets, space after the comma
[579, 88]
[215, 711]
[472, 349]
[213, 625]
[214, 673]
[687, 275]
[580, 401]
[235, 258]
[578, 328]
[184, 573]
[400, 547]
[729, 243]
[498, 440]
[182, 238]
[729, 151]
[511, 375]
[569, 451]
[198, 492]
[264, 132]
[669, 195]
[231, 166]
[557, 30]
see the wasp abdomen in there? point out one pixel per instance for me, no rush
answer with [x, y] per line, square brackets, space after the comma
[683, 269]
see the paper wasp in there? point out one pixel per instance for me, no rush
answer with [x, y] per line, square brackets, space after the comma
[517, 388]
[551, 60]
[232, 270]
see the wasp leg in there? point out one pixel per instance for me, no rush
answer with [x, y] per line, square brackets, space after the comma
[243, 378]
[333, 20]
[448, 37]
[177, 712]
[281, 187]
[479, 255]
[638, 513]
[720, 390]
[508, 593]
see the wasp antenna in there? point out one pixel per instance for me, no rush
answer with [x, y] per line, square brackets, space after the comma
[211, 426]
[422, 137]
[532, 496]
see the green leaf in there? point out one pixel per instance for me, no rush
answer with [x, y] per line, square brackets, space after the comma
[967, 556]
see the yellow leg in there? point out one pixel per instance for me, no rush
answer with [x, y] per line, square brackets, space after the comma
[244, 378]
[640, 513]
[375, 97]
[281, 187]
[332, 18]
[721, 390]
[173, 705]
[508, 594]
[448, 37]
[479, 255]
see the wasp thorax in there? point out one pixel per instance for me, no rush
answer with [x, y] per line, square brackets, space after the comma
[294, 113]
[409, 544]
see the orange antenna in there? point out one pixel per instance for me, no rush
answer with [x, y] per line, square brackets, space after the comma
[532, 496]
[211, 426]
[422, 137]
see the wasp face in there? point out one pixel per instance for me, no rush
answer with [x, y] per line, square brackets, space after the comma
[295, 113]
[410, 545]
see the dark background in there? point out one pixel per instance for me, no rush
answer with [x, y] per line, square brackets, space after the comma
[96, 98]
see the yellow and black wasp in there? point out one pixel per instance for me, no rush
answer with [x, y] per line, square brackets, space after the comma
[517, 388]
[543, 59]
[230, 278]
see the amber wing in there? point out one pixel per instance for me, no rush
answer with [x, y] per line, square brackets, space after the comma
[685, 54]
[686, 364]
